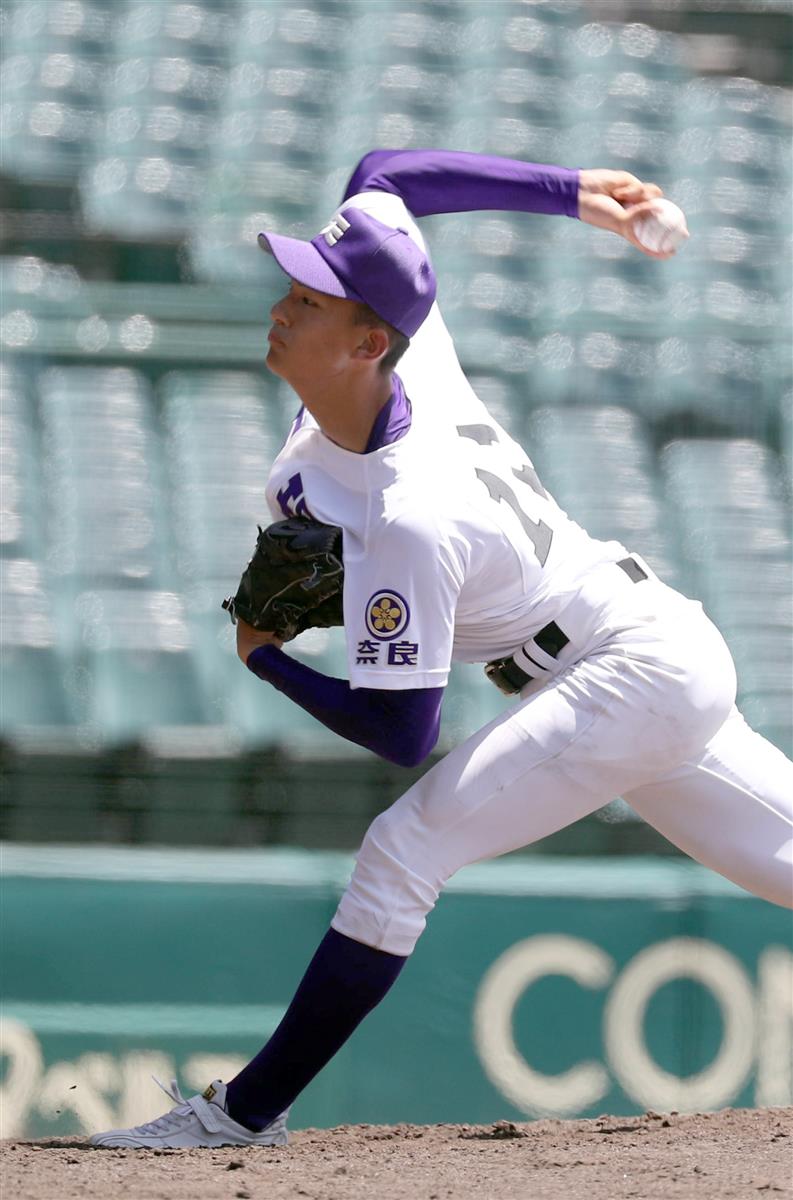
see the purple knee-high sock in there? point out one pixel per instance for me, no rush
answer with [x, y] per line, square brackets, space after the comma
[344, 981]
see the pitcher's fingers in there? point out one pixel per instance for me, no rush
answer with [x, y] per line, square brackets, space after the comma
[635, 193]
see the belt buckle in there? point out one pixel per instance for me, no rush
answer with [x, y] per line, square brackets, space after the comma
[505, 674]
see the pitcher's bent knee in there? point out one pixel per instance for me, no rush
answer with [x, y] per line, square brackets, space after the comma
[387, 901]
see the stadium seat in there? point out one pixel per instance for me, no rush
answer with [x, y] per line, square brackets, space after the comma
[771, 714]
[219, 448]
[754, 104]
[715, 385]
[786, 438]
[53, 68]
[166, 71]
[734, 526]
[200, 30]
[763, 657]
[34, 667]
[607, 49]
[61, 25]
[136, 653]
[20, 491]
[262, 717]
[694, 466]
[753, 592]
[130, 497]
[103, 478]
[598, 464]
[272, 134]
[522, 39]
[282, 34]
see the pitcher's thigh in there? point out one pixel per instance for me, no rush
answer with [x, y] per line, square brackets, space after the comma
[730, 808]
[554, 758]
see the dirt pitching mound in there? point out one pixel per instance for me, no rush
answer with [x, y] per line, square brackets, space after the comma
[712, 1156]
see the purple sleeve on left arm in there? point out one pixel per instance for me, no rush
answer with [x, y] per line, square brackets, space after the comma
[401, 726]
[443, 181]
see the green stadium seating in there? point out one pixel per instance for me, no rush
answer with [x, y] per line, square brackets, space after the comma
[313, 34]
[136, 493]
[516, 39]
[598, 465]
[771, 713]
[198, 31]
[60, 25]
[45, 140]
[607, 49]
[786, 439]
[694, 468]
[219, 447]
[729, 199]
[22, 524]
[263, 717]
[753, 104]
[103, 478]
[166, 71]
[32, 289]
[735, 528]
[763, 657]
[751, 589]
[52, 73]
[272, 134]
[136, 654]
[32, 690]
[757, 157]
[713, 385]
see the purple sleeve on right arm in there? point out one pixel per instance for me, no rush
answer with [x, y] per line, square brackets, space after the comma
[442, 181]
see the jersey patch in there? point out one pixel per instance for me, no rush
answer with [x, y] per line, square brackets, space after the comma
[291, 500]
[387, 615]
[399, 654]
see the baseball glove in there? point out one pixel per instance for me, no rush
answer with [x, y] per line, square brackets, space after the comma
[294, 580]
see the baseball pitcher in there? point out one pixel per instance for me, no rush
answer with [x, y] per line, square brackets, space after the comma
[404, 510]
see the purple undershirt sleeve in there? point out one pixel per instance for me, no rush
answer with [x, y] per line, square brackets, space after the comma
[401, 726]
[443, 181]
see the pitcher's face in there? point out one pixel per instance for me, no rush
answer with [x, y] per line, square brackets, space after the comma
[313, 337]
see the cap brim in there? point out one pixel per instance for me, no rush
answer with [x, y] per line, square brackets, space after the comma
[303, 262]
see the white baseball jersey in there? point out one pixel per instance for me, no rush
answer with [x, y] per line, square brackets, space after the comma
[452, 548]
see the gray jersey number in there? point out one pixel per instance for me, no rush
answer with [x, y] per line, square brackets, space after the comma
[540, 534]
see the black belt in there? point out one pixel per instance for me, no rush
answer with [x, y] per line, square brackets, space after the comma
[510, 678]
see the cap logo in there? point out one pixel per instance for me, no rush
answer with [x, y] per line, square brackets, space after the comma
[335, 229]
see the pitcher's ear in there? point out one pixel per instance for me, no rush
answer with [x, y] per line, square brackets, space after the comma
[373, 344]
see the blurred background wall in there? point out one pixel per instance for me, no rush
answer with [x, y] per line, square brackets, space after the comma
[144, 144]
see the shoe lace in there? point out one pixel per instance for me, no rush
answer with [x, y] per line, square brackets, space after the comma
[172, 1119]
[171, 1092]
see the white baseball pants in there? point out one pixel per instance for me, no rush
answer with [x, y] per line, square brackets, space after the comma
[650, 716]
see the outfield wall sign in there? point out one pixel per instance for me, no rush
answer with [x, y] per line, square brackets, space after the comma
[540, 988]
[756, 1025]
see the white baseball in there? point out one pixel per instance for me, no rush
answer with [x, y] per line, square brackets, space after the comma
[663, 229]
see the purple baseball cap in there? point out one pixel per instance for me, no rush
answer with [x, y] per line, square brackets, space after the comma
[357, 257]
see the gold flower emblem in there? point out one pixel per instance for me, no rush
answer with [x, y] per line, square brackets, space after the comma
[386, 614]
